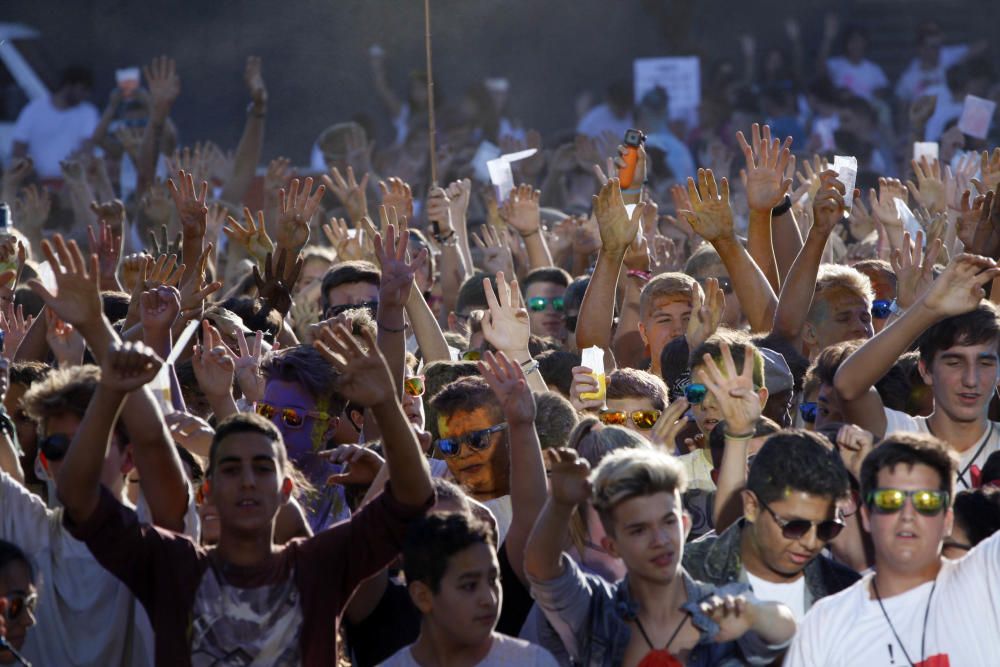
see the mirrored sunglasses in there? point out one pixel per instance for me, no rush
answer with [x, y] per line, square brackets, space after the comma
[477, 440]
[793, 529]
[928, 502]
[641, 419]
[808, 411]
[538, 304]
[291, 417]
[695, 393]
[414, 385]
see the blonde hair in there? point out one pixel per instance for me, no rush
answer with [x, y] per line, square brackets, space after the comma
[832, 276]
[666, 284]
[631, 473]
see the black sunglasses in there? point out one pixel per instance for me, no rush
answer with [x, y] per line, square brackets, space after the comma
[477, 440]
[808, 411]
[695, 393]
[55, 446]
[793, 529]
[333, 311]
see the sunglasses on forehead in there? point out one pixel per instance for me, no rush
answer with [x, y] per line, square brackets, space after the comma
[641, 419]
[695, 393]
[291, 417]
[881, 308]
[928, 502]
[414, 385]
[55, 446]
[808, 411]
[477, 440]
[794, 529]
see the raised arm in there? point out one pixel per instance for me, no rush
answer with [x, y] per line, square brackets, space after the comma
[164, 87]
[958, 290]
[712, 218]
[618, 231]
[507, 328]
[125, 367]
[766, 185]
[569, 487]
[297, 208]
[365, 380]
[800, 284]
[527, 472]
[522, 212]
[249, 148]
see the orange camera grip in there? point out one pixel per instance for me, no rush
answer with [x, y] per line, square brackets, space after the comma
[627, 173]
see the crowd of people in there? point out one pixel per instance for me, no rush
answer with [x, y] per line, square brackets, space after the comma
[686, 399]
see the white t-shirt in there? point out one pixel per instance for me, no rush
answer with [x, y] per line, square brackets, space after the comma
[946, 110]
[976, 455]
[963, 625]
[503, 512]
[52, 134]
[698, 469]
[862, 79]
[85, 615]
[505, 651]
[915, 81]
[791, 595]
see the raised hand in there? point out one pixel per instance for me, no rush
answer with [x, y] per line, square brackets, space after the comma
[508, 383]
[505, 326]
[190, 203]
[397, 273]
[921, 110]
[854, 444]
[78, 297]
[884, 203]
[913, 276]
[213, 363]
[278, 173]
[459, 195]
[163, 82]
[297, 208]
[190, 431]
[711, 214]
[255, 82]
[496, 255]
[669, 425]
[364, 376]
[584, 382]
[163, 245]
[733, 390]
[767, 162]
[276, 286]
[159, 308]
[990, 170]
[396, 193]
[253, 238]
[163, 271]
[107, 245]
[439, 210]
[13, 323]
[569, 477]
[361, 465]
[349, 192]
[929, 190]
[828, 206]
[128, 366]
[66, 343]
[706, 313]
[617, 229]
[809, 178]
[521, 210]
[347, 245]
[32, 209]
[248, 374]
[156, 203]
[191, 161]
[959, 288]
[637, 256]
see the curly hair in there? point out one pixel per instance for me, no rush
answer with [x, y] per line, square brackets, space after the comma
[432, 540]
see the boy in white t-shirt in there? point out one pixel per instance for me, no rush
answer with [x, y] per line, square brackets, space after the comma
[958, 335]
[918, 608]
[451, 566]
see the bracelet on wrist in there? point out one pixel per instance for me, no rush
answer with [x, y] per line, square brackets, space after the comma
[524, 236]
[390, 329]
[783, 207]
[742, 437]
[529, 366]
[443, 238]
[644, 276]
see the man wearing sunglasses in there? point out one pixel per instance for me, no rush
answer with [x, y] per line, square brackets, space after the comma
[917, 608]
[544, 294]
[789, 516]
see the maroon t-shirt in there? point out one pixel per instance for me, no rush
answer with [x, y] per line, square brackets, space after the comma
[208, 612]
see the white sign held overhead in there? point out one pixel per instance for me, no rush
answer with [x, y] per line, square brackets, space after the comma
[977, 114]
[927, 149]
[501, 174]
[846, 167]
[680, 76]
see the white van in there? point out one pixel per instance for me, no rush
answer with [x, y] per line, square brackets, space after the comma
[20, 81]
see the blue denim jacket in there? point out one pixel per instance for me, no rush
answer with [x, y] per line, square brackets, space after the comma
[592, 616]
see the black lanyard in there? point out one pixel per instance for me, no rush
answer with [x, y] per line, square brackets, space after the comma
[982, 446]
[923, 634]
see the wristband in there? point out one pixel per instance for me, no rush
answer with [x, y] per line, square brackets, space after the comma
[529, 366]
[632, 191]
[251, 111]
[442, 238]
[644, 276]
[896, 309]
[742, 437]
[783, 207]
[524, 236]
[390, 329]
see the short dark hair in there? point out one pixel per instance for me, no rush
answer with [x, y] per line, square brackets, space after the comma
[115, 304]
[546, 274]
[555, 417]
[344, 273]
[799, 460]
[471, 295]
[432, 540]
[977, 512]
[556, 367]
[28, 372]
[736, 340]
[573, 298]
[465, 394]
[10, 553]
[306, 366]
[976, 327]
[909, 449]
[255, 315]
[633, 383]
[245, 422]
